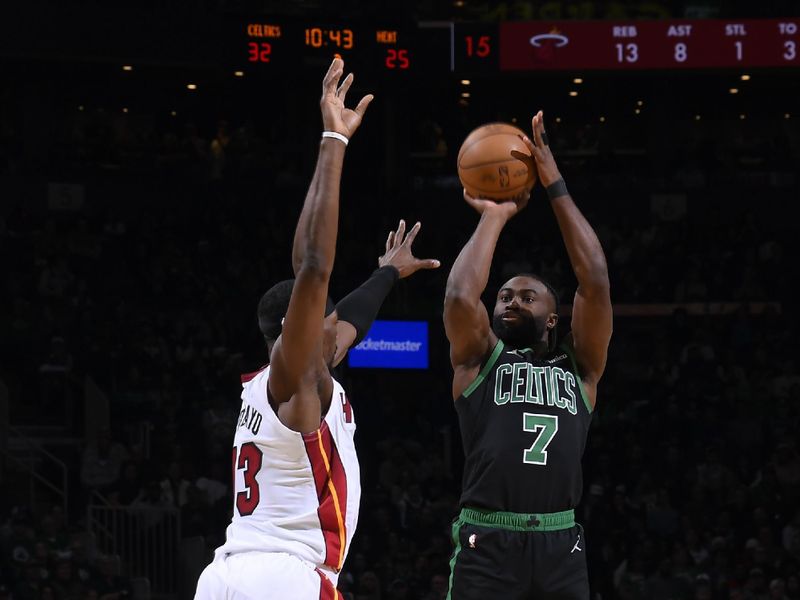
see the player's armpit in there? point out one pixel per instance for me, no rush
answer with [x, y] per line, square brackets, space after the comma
[303, 411]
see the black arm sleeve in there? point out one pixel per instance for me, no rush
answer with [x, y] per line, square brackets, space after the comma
[360, 307]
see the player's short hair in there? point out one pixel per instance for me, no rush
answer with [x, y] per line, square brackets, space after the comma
[273, 306]
[552, 335]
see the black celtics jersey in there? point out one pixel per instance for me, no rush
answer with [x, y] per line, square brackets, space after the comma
[524, 422]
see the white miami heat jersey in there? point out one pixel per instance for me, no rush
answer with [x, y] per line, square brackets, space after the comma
[294, 492]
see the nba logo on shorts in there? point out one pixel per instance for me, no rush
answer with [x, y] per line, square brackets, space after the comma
[472, 539]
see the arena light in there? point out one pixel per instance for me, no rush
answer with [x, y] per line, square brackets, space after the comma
[639, 102]
[573, 93]
[787, 116]
[638, 110]
[125, 109]
[742, 117]
[80, 107]
[558, 119]
[733, 91]
[465, 94]
[465, 82]
[602, 119]
[697, 117]
[238, 73]
[577, 81]
[745, 77]
[174, 113]
[191, 86]
[127, 67]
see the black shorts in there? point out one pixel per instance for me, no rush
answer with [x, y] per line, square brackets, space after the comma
[513, 562]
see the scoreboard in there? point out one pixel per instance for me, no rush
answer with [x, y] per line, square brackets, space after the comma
[612, 45]
[278, 44]
[275, 45]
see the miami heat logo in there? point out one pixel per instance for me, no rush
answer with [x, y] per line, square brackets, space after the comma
[544, 45]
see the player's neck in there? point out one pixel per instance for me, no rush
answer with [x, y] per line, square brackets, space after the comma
[538, 349]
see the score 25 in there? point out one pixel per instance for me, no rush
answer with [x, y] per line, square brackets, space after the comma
[397, 58]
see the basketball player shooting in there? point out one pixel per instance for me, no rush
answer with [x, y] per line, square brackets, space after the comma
[524, 403]
[296, 472]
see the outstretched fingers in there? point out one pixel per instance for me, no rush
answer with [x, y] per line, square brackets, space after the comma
[361, 107]
[401, 231]
[412, 234]
[331, 79]
[390, 241]
[428, 263]
[538, 129]
[342, 91]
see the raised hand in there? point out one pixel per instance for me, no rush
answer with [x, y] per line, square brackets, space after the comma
[398, 252]
[540, 157]
[505, 208]
[335, 116]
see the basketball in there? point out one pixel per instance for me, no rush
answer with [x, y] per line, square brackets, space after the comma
[485, 165]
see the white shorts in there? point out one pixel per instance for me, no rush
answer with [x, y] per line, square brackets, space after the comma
[263, 576]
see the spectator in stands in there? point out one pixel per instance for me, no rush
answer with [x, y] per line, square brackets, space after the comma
[66, 583]
[108, 583]
[127, 488]
[102, 459]
[213, 485]
[174, 486]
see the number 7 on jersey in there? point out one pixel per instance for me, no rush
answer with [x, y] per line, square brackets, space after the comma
[547, 427]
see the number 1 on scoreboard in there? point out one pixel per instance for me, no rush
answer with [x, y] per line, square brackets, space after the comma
[738, 45]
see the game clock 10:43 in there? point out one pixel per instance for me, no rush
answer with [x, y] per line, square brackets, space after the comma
[286, 45]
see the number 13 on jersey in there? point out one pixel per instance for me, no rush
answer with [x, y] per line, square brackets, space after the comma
[247, 459]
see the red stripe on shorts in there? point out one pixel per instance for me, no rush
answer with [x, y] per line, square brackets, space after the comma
[326, 589]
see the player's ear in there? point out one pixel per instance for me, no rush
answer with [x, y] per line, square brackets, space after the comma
[552, 321]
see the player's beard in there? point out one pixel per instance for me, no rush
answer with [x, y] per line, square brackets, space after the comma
[526, 332]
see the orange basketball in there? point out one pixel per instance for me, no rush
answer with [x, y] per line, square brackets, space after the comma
[485, 165]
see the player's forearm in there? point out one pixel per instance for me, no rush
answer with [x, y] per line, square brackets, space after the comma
[360, 307]
[315, 236]
[470, 272]
[583, 246]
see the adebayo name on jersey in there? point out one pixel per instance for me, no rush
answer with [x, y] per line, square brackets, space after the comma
[250, 418]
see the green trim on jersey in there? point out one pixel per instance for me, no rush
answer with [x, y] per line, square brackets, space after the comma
[485, 370]
[457, 540]
[585, 397]
[518, 521]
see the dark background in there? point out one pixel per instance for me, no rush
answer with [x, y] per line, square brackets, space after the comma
[141, 221]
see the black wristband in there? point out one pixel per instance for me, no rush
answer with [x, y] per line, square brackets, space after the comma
[361, 306]
[556, 189]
